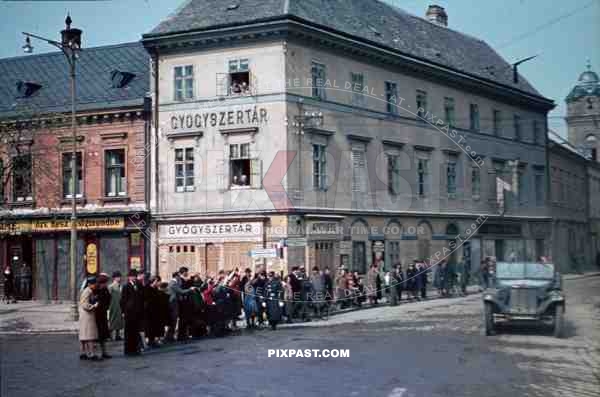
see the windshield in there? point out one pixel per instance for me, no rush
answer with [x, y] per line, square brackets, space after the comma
[539, 270]
[505, 270]
[510, 270]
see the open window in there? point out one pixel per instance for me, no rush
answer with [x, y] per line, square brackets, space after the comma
[239, 77]
[244, 170]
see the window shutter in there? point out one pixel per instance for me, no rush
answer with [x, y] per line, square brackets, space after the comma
[222, 84]
[358, 164]
[220, 174]
[256, 173]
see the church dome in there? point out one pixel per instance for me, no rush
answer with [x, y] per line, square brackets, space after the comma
[588, 77]
[588, 85]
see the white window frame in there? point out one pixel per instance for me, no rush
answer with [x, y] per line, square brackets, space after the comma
[66, 166]
[184, 163]
[238, 65]
[319, 167]
[234, 150]
[186, 79]
[123, 166]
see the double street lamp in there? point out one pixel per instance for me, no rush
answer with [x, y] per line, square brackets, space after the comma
[70, 46]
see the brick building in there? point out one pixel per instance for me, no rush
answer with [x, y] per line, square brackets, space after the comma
[112, 130]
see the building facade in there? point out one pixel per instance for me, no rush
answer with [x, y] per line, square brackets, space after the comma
[338, 143]
[109, 181]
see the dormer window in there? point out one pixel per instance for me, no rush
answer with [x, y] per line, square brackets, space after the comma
[25, 89]
[120, 79]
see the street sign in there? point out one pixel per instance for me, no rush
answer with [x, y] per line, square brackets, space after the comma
[296, 242]
[264, 253]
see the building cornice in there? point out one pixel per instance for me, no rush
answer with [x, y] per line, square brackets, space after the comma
[292, 28]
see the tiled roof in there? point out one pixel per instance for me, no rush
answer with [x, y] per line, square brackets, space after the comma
[368, 20]
[94, 86]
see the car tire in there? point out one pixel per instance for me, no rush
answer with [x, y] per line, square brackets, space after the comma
[488, 318]
[559, 320]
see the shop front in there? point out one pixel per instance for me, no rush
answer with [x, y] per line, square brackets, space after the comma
[206, 248]
[323, 243]
[105, 244]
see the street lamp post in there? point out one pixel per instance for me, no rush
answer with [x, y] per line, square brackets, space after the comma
[70, 45]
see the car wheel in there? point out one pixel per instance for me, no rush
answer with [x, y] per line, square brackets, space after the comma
[488, 318]
[559, 314]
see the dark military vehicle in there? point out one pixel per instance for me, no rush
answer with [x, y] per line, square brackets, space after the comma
[524, 292]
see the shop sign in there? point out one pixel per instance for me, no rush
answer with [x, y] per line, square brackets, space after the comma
[53, 225]
[57, 225]
[135, 263]
[500, 229]
[228, 118]
[91, 256]
[207, 231]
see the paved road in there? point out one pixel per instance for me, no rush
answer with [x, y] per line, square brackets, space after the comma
[422, 349]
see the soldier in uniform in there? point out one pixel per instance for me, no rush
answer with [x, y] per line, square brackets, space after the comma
[274, 290]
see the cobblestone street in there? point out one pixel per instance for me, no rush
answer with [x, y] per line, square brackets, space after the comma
[433, 348]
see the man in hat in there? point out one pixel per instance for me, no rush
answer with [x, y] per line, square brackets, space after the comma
[132, 306]
[115, 315]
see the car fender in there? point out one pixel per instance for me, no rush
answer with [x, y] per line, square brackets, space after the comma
[553, 300]
[491, 297]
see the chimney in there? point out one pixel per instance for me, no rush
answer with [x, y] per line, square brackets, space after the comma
[436, 14]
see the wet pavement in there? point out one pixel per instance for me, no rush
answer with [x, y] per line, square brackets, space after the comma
[420, 349]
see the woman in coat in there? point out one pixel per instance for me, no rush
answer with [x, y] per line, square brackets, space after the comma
[103, 299]
[371, 287]
[250, 308]
[115, 316]
[88, 330]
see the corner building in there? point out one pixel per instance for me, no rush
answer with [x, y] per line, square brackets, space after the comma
[339, 133]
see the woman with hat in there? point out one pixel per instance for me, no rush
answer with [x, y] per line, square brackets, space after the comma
[88, 331]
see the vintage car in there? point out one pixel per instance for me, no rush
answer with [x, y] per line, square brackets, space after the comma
[524, 291]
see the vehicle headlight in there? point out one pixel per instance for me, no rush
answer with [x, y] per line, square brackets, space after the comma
[280, 304]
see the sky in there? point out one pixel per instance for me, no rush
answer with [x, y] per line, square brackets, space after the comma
[564, 34]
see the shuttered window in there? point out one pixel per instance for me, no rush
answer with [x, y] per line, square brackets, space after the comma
[358, 170]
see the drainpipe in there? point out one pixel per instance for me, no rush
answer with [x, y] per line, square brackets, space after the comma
[156, 154]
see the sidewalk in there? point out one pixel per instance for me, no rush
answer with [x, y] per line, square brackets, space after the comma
[39, 317]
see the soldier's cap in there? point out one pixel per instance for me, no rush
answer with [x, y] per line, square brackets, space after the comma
[132, 273]
[116, 274]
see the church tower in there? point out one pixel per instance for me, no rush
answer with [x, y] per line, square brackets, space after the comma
[583, 114]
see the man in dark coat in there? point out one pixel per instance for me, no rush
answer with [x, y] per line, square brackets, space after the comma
[273, 295]
[412, 281]
[132, 306]
[153, 316]
[102, 297]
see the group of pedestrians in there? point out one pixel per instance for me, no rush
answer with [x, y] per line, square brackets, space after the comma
[17, 285]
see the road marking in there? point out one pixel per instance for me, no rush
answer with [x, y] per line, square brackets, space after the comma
[397, 392]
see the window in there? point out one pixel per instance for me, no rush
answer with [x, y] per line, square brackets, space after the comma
[22, 178]
[451, 177]
[421, 104]
[239, 77]
[517, 126]
[539, 189]
[449, 111]
[394, 254]
[423, 177]
[537, 133]
[68, 175]
[358, 80]
[245, 171]
[594, 154]
[115, 173]
[184, 83]
[474, 115]
[391, 97]
[319, 167]
[358, 170]
[184, 170]
[393, 175]
[318, 80]
[359, 257]
[476, 183]
[497, 122]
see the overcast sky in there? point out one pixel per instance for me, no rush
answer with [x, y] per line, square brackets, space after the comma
[564, 33]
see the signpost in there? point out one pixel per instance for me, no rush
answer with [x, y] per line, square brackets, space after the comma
[263, 253]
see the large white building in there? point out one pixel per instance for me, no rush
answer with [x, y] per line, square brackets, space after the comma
[339, 132]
